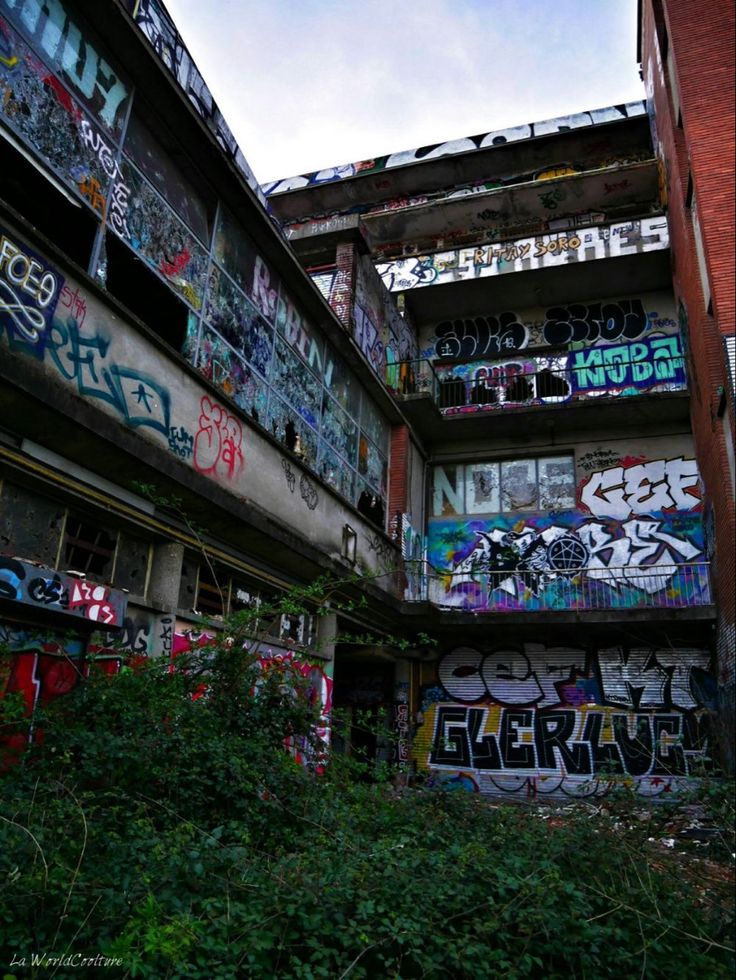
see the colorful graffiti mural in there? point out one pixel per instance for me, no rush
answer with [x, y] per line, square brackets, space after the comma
[43, 665]
[564, 721]
[286, 665]
[637, 538]
[239, 311]
[309, 389]
[52, 118]
[318, 692]
[655, 364]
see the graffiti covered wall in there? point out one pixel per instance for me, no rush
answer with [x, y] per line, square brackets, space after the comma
[656, 364]
[45, 664]
[245, 333]
[609, 321]
[384, 336]
[539, 252]
[546, 356]
[621, 529]
[50, 318]
[530, 720]
[43, 588]
[284, 663]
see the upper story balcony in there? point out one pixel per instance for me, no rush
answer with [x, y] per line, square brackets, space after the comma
[611, 379]
[566, 586]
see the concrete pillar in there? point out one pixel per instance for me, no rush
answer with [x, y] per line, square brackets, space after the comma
[163, 582]
[402, 720]
[326, 632]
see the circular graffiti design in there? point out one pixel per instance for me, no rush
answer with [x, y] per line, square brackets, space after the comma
[567, 554]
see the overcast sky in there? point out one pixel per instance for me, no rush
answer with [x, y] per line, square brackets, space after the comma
[308, 84]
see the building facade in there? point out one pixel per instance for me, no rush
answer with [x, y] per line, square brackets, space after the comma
[187, 430]
[687, 60]
[562, 556]
[460, 376]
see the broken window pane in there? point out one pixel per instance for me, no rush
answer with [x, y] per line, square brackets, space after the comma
[519, 485]
[482, 489]
[556, 483]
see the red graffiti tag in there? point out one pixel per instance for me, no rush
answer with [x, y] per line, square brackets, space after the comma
[93, 600]
[218, 442]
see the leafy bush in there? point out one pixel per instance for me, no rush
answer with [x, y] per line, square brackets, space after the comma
[175, 832]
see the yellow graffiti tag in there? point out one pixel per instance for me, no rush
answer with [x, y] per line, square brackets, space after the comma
[562, 171]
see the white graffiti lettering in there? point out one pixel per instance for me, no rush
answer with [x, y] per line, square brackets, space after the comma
[642, 489]
[22, 273]
[650, 678]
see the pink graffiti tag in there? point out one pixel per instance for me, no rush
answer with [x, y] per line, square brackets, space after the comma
[218, 442]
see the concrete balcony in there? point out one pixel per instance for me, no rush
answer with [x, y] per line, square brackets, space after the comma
[644, 380]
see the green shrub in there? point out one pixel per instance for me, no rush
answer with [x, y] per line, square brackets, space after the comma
[179, 835]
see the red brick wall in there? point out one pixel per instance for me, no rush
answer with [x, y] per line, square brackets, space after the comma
[700, 37]
[398, 474]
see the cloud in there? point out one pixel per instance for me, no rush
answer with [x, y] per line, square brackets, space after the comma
[307, 84]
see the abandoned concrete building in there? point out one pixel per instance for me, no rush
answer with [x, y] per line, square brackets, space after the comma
[489, 380]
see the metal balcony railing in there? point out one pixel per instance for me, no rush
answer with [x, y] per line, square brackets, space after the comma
[548, 380]
[660, 586]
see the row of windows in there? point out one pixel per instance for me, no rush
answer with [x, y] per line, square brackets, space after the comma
[504, 487]
[219, 594]
[59, 538]
[41, 530]
[293, 383]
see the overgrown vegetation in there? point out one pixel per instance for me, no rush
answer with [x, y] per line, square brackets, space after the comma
[170, 829]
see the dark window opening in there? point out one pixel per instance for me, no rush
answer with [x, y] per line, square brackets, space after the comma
[452, 393]
[690, 191]
[88, 548]
[290, 435]
[210, 592]
[297, 628]
[187, 585]
[519, 390]
[72, 229]
[371, 506]
[482, 394]
[661, 28]
[131, 281]
[132, 564]
[550, 385]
